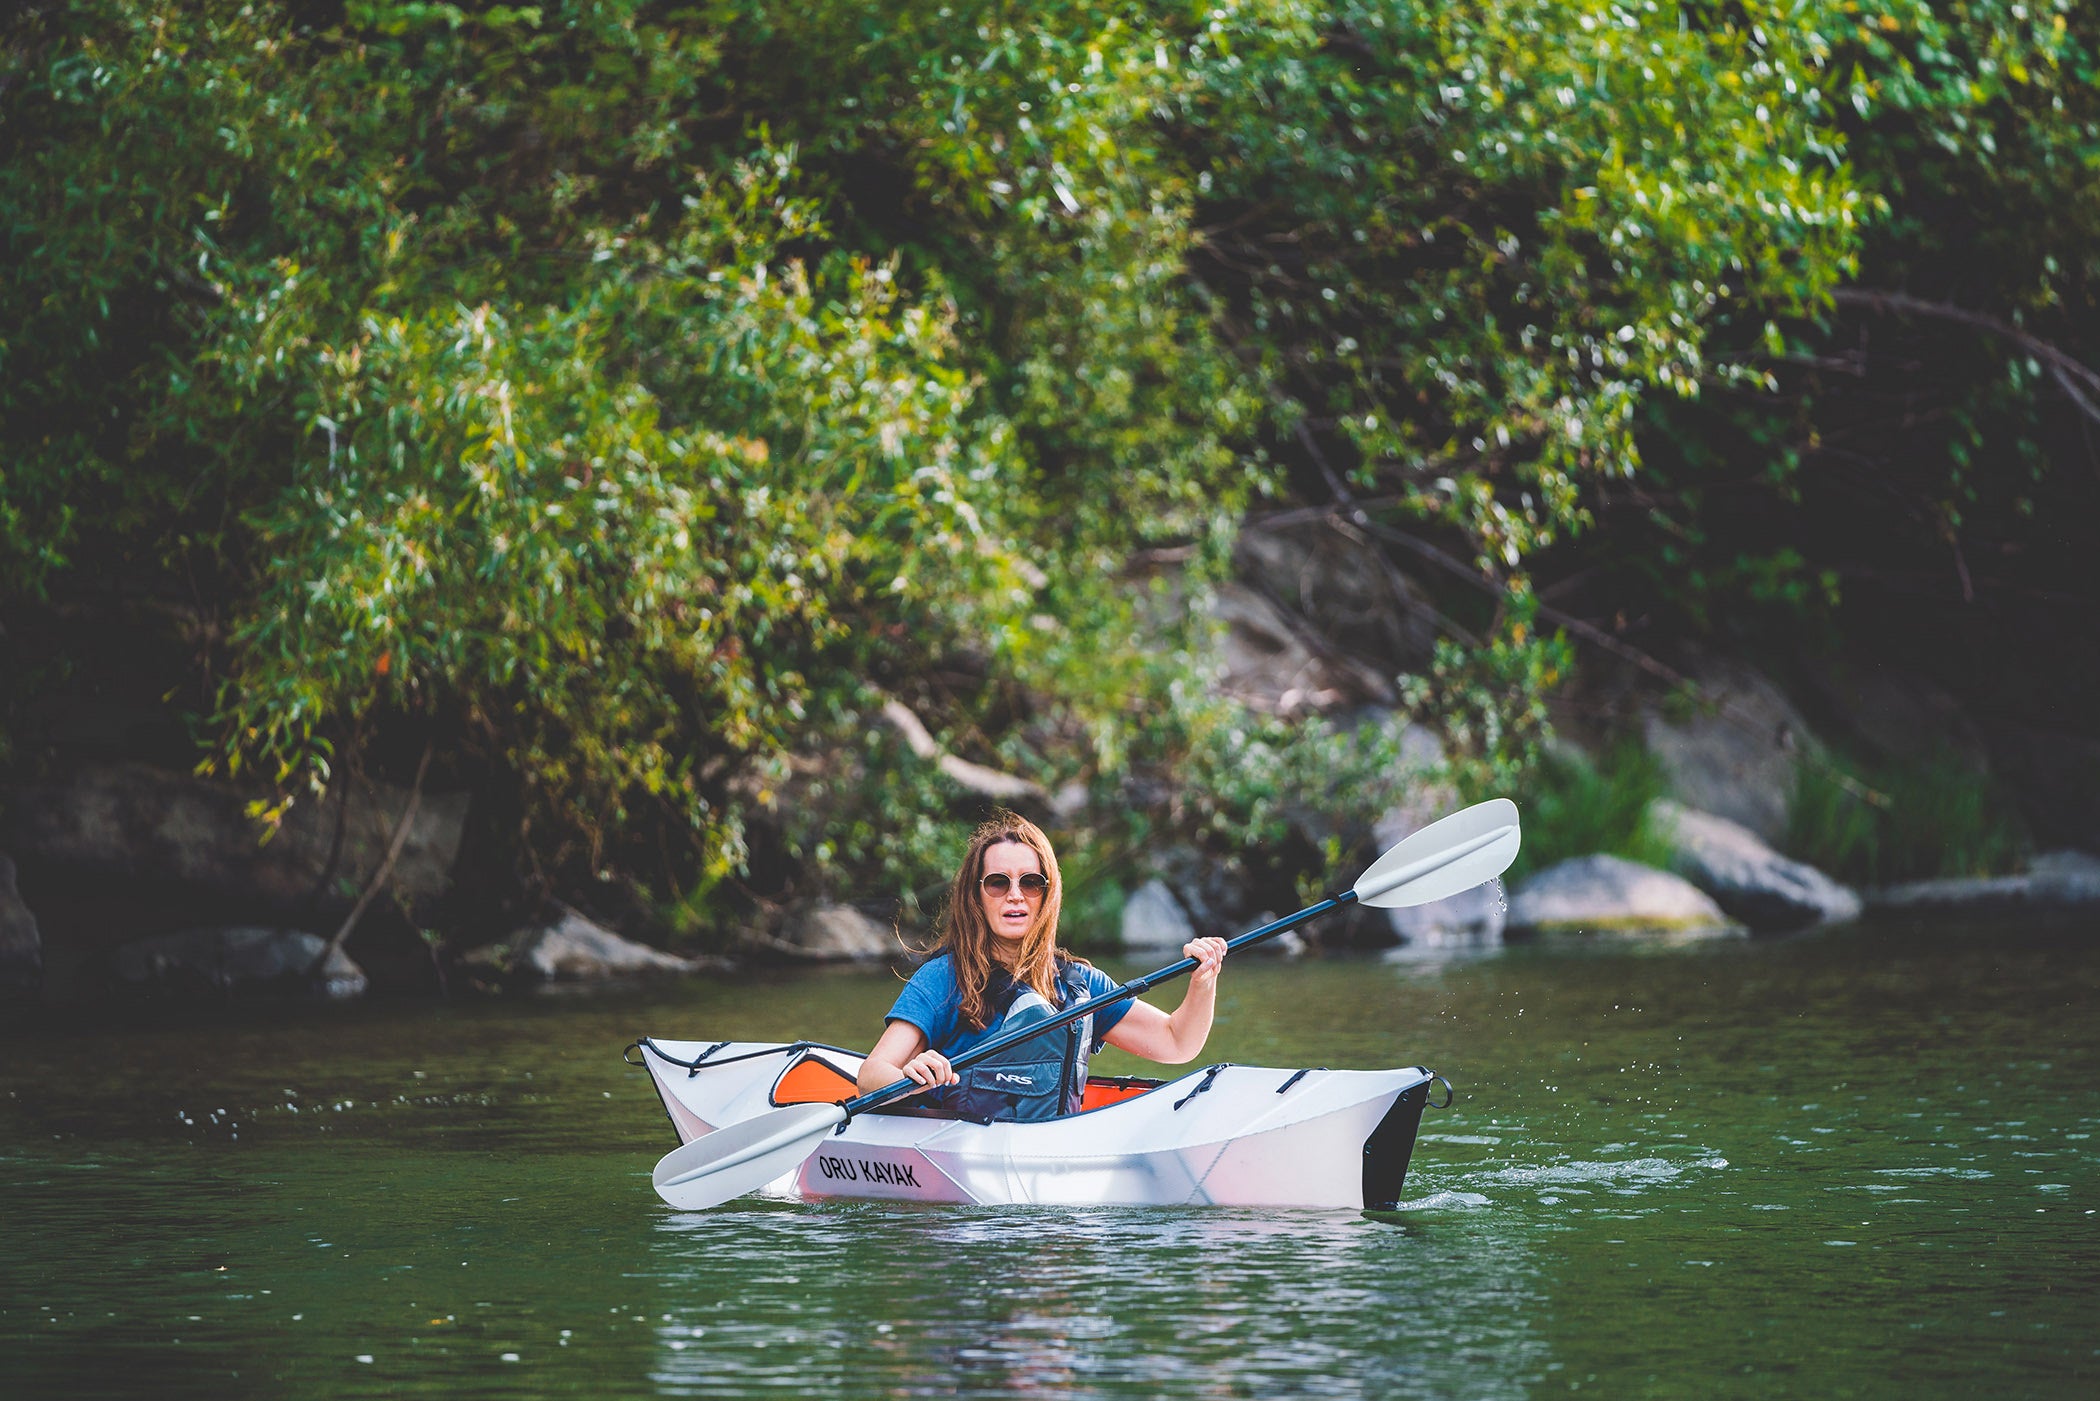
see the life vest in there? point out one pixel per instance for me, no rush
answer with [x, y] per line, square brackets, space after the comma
[1040, 1078]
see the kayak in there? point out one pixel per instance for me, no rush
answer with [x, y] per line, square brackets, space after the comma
[1226, 1135]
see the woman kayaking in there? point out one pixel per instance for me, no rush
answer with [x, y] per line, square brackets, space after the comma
[998, 967]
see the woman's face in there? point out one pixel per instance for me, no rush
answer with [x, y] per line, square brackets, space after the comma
[1011, 913]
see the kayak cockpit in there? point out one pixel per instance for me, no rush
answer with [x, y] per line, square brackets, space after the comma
[825, 1075]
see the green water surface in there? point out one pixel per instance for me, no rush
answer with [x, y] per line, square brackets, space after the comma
[1859, 1163]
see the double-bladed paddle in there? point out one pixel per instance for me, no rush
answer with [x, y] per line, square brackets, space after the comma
[1444, 858]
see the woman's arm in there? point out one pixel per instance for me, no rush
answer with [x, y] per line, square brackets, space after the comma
[1177, 1037]
[901, 1054]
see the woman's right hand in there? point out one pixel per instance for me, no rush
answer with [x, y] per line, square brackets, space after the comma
[901, 1053]
[928, 1069]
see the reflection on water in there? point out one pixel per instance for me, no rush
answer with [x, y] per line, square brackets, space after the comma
[1860, 1162]
[1129, 1302]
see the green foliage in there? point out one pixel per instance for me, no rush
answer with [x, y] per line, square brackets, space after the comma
[1888, 457]
[647, 393]
[1092, 919]
[510, 392]
[1491, 700]
[1247, 778]
[1472, 239]
[1942, 818]
[1574, 808]
[874, 809]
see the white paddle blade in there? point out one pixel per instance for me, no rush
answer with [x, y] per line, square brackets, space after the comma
[729, 1162]
[1452, 854]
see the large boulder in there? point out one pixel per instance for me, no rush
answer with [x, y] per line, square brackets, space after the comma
[1153, 919]
[1429, 794]
[1608, 894]
[2054, 882]
[1734, 753]
[831, 934]
[1211, 892]
[1471, 919]
[1377, 620]
[237, 961]
[1748, 879]
[142, 825]
[21, 946]
[2066, 876]
[1895, 715]
[1417, 771]
[1266, 661]
[574, 949]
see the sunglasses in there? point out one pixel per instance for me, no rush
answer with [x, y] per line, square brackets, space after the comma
[1033, 886]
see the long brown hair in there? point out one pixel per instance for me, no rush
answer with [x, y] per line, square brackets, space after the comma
[966, 935]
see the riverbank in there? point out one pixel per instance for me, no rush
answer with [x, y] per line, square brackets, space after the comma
[1732, 802]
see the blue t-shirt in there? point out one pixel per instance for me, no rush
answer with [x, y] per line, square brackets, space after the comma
[932, 1002]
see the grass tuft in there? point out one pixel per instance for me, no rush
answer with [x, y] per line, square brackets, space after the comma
[1942, 819]
[1573, 807]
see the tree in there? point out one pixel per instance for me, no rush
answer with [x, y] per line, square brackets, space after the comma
[647, 393]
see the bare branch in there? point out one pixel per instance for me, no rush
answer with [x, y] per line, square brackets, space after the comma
[2079, 381]
[975, 778]
[385, 872]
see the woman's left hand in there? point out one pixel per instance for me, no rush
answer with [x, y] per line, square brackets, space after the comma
[1175, 1038]
[1210, 957]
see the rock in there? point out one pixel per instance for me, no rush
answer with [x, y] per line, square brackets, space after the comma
[1069, 801]
[139, 824]
[1428, 798]
[1736, 755]
[1444, 946]
[2056, 776]
[236, 961]
[21, 946]
[1289, 944]
[1748, 879]
[836, 933]
[2069, 873]
[1471, 919]
[1264, 661]
[1418, 770]
[1607, 894]
[575, 949]
[1422, 750]
[1154, 919]
[1373, 614]
[1896, 715]
[340, 978]
[2055, 881]
[1206, 889]
[1951, 895]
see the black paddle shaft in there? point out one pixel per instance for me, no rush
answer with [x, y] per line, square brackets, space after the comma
[874, 1098]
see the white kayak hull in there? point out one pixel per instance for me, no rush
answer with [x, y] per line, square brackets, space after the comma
[1228, 1135]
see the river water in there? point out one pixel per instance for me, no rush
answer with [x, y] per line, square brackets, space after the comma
[1857, 1163]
